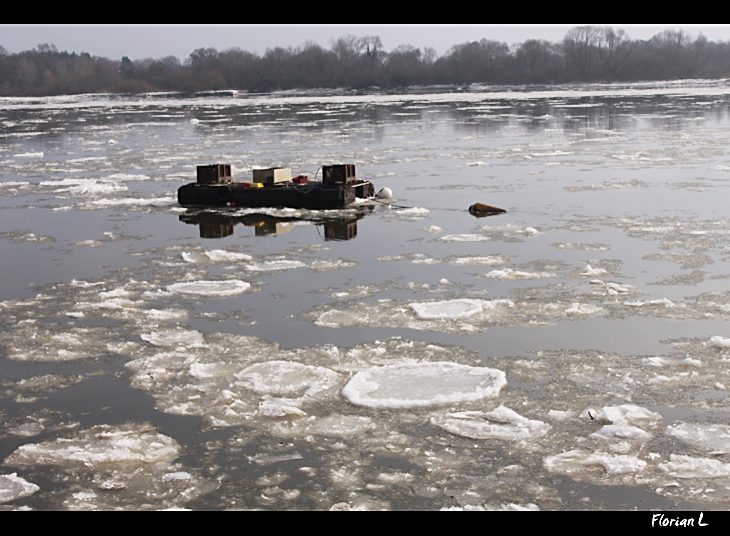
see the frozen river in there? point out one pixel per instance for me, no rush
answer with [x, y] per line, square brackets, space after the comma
[570, 354]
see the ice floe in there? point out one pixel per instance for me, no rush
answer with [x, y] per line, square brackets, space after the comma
[86, 186]
[177, 337]
[583, 309]
[464, 237]
[663, 302]
[503, 232]
[333, 425]
[580, 460]
[30, 341]
[265, 381]
[616, 449]
[101, 445]
[453, 309]
[592, 272]
[274, 265]
[720, 342]
[684, 466]
[215, 255]
[477, 260]
[14, 487]
[459, 315]
[30, 155]
[413, 385]
[283, 378]
[508, 274]
[325, 265]
[500, 423]
[714, 438]
[221, 288]
[108, 467]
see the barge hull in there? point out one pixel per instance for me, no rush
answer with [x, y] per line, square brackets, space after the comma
[303, 196]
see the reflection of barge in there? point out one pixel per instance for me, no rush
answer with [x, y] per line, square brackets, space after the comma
[274, 187]
[217, 224]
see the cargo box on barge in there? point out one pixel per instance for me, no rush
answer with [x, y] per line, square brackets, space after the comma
[275, 187]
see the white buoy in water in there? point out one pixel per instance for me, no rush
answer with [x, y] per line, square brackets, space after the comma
[384, 193]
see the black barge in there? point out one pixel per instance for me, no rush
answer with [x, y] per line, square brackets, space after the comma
[275, 187]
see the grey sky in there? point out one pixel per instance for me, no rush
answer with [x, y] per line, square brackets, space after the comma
[158, 41]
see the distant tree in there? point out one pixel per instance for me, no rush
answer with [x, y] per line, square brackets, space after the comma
[358, 61]
[537, 61]
[241, 69]
[46, 49]
[371, 44]
[164, 73]
[586, 53]
[614, 48]
[26, 75]
[126, 68]
[697, 57]
[429, 55]
[106, 75]
[403, 67]
[672, 48]
[581, 49]
[312, 66]
[202, 58]
[276, 64]
[206, 70]
[347, 48]
[712, 58]
[474, 62]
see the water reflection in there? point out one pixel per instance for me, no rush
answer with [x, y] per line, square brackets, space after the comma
[604, 108]
[220, 225]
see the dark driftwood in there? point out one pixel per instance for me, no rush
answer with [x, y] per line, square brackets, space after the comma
[480, 209]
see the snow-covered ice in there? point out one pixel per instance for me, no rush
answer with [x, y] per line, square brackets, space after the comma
[412, 385]
[101, 445]
[14, 487]
[459, 308]
[499, 423]
[211, 288]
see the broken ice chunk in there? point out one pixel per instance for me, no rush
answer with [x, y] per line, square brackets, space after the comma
[500, 423]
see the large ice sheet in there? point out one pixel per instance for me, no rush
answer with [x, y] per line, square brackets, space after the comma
[412, 385]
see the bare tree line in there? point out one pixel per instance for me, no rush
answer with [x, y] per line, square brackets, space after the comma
[586, 54]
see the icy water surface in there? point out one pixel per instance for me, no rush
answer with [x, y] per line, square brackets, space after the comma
[570, 354]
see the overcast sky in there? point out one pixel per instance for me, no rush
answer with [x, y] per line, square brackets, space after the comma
[158, 41]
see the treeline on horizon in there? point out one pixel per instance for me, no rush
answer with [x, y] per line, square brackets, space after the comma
[586, 54]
